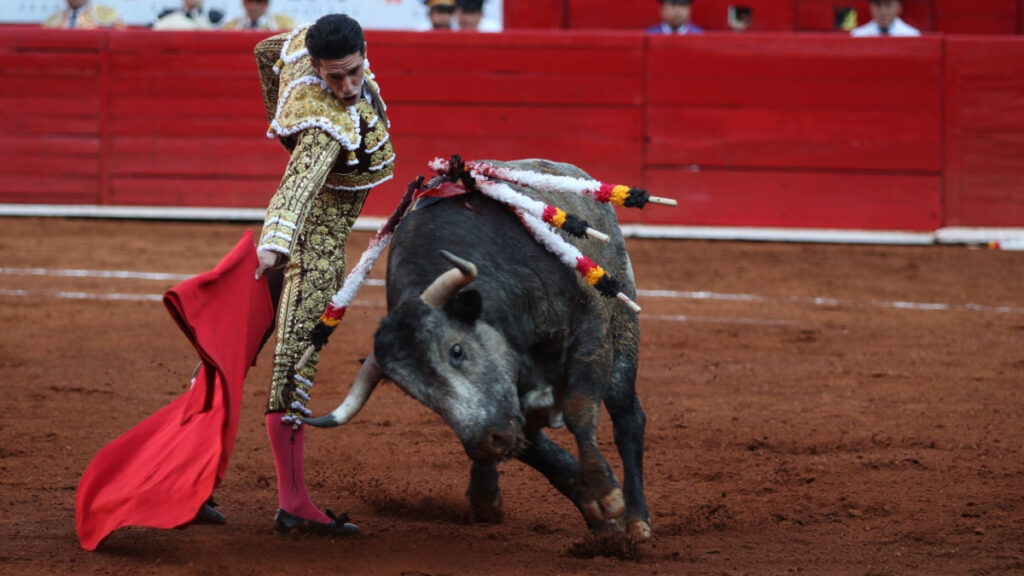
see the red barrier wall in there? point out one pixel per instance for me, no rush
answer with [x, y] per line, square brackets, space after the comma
[186, 122]
[978, 16]
[984, 129]
[53, 103]
[830, 129]
[753, 129]
[521, 14]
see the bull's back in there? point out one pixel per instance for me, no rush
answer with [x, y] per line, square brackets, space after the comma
[518, 277]
[610, 255]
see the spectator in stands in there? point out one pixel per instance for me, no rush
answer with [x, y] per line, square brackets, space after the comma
[257, 17]
[84, 15]
[469, 16]
[885, 21]
[440, 13]
[675, 19]
[740, 18]
[191, 16]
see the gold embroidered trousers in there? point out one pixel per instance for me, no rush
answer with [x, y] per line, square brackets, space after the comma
[314, 272]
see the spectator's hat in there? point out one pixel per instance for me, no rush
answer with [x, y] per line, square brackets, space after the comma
[471, 5]
[440, 3]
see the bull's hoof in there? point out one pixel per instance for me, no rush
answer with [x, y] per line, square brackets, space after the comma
[640, 531]
[612, 506]
[487, 512]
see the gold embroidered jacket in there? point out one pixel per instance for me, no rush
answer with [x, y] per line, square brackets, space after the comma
[333, 146]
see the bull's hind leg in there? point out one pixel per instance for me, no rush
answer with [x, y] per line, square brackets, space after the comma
[628, 423]
[484, 494]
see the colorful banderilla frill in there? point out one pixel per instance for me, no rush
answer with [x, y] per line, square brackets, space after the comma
[538, 218]
[571, 256]
[552, 215]
[617, 194]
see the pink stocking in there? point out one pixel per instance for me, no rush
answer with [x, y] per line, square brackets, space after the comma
[291, 481]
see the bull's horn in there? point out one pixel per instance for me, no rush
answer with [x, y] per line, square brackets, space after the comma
[366, 380]
[444, 287]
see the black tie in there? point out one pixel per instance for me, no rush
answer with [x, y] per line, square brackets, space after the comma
[74, 18]
[883, 31]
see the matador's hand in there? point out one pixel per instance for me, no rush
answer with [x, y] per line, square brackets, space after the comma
[268, 259]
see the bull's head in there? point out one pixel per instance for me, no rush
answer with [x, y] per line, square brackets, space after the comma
[439, 351]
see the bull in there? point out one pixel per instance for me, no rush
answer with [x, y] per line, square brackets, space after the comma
[502, 340]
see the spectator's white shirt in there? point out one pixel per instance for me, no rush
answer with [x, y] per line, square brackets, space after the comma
[485, 25]
[488, 25]
[898, 28]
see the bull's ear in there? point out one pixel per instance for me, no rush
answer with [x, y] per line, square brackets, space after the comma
[466, 306]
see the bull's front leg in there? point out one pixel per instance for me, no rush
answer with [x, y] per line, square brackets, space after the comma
[484, 494]
[601, 498]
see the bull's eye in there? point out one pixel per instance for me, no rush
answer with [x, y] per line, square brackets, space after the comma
[456, 355]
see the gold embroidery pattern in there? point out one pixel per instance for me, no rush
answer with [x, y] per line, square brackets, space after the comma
[312, 159]
[298, 43]
[267, 53]
[307, 104]
[373, 137]
[311, 279]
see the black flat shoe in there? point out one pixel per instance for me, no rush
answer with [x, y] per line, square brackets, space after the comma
[208, 515]
[286, 524]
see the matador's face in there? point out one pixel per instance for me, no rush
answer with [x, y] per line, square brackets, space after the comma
[344, 76]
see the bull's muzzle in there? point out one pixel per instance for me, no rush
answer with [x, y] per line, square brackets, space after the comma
[495, 444]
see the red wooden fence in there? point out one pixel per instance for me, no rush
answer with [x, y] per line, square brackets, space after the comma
[797, 130]
[984, 131]
[755, 129]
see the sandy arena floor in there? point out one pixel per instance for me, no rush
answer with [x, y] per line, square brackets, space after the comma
[812, 409]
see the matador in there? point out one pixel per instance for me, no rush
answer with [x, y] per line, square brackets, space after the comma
[325, 107]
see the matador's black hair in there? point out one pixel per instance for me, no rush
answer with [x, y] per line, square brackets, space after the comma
[335, 36]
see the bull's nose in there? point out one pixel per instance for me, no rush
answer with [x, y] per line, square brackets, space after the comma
[494, 444]
[501, 442]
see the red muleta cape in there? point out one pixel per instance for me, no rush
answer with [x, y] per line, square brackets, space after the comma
[160, 472]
